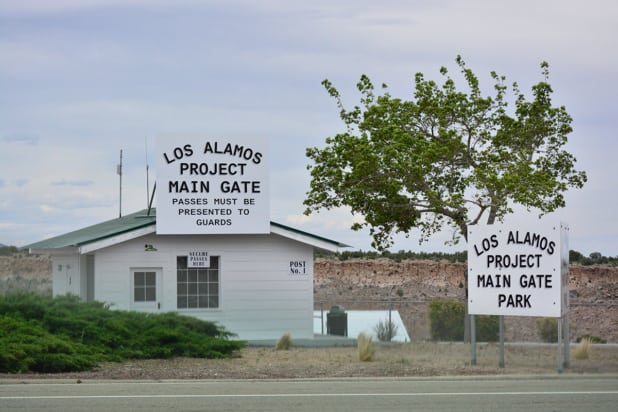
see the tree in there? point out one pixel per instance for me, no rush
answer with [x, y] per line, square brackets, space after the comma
[445, 158]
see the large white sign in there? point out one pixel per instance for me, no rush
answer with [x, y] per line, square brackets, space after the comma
[517, 270]
[212, 185]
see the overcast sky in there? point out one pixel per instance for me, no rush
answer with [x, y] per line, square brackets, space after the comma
[82, 79]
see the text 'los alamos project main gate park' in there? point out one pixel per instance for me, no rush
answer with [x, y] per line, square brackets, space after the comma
[513, 266]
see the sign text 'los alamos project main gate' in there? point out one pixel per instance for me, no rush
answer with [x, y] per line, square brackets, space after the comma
[212, 185]
[519, 270]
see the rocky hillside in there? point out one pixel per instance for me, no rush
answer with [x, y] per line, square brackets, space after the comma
[407, 286]
[22, 271]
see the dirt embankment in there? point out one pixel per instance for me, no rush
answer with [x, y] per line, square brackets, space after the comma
[25, 272]
[409, 286]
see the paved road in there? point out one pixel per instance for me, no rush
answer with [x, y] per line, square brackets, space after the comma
[559, 393]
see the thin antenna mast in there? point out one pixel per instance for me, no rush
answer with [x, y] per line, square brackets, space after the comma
[154, 189]
[147, 175]
[119, 172]
[149, 196]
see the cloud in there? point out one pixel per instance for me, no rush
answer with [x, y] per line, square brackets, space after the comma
[21, 58]
[299, 220]
[29, 139]
[327, 220]
[100, 75]
[15, 183]
[77, 198]
[42, 7]
[64, 182]
[46, 209]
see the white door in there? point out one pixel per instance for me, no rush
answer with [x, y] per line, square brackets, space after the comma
[146, 289]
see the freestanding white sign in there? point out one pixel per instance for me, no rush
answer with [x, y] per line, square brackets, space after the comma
[212, 185]
[517, 270]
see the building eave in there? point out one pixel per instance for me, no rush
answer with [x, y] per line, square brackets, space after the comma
[114, 240]
[305, 237]
[115, 231]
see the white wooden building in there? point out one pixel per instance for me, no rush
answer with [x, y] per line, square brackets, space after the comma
[258, 286]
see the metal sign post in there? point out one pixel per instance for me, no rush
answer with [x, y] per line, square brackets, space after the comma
[560, 345]
[567, 343]
[501, 332]
[472, 341]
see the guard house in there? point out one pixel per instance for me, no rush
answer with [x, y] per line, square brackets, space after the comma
[258, 286]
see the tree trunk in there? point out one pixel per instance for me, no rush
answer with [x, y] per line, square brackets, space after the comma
[492, 215]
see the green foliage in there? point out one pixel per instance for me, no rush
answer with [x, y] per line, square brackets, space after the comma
[30, 347]
[446, 320]
[385, 330]
[487, 328]
[65, 334]
[396, 256]
[595, 258]
[446, 157]
[8, 250]
[591, 339]
[547, 329]
[462, 256]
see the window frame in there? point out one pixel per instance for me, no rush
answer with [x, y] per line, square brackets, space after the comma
[202, 286]
[146, 305]
[147, 285]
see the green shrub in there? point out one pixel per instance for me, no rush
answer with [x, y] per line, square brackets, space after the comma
[65, 334]
[447, 322]
[547, 328]
[591, 339]
[29, 305]
[8, 250]
[385, 330]
[446, 318]
[487, 328]
[29, 347]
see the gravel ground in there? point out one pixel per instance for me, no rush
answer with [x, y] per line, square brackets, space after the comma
[396, 360]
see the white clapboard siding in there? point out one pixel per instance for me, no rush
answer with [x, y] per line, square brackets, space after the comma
[260, 297]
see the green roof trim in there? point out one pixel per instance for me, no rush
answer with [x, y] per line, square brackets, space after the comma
[98, 232]
[127, 224]
[300, 232]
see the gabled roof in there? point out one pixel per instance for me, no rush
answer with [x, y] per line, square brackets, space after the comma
[114, 227]
[141, 223]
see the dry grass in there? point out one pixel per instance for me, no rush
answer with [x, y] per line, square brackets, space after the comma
[366, 350]
[284, 342]
[583, 349]
[417, 359]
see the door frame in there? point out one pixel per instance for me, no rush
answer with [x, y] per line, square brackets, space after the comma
[151, 305]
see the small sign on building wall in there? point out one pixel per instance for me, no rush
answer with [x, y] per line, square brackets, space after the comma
[198, 259]
[518, 270]
[212, 185]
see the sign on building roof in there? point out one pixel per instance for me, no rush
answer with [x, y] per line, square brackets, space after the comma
[518, 270]
[212, 185]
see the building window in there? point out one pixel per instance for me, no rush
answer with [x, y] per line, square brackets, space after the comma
[197, 287]
[144, 286]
